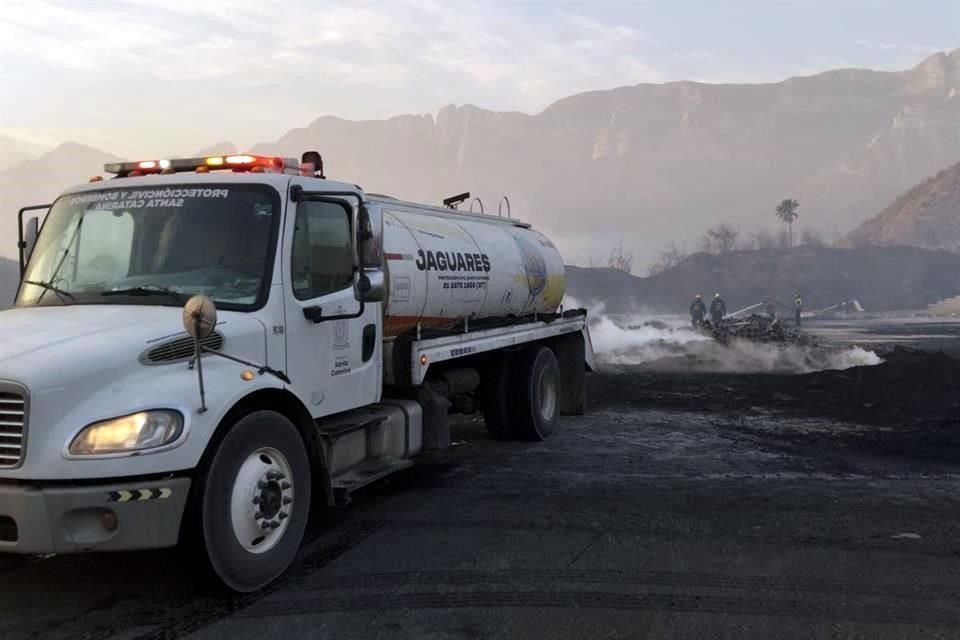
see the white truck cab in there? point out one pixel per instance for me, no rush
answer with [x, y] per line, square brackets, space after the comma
[199, 356]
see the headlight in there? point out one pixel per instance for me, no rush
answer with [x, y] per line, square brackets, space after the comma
[144, 430]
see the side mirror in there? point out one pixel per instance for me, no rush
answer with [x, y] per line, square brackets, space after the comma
[370, 286]
[370, 236]
[364, 227]
[30, 233]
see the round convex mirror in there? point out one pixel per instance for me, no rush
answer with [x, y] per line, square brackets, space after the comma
[199, 316]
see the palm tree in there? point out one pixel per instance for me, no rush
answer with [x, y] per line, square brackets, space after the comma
[787, 212]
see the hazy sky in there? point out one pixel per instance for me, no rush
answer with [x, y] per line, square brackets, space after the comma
[159, 78]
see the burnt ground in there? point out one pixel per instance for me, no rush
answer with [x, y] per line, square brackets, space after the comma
[824, 505]
[907, 406]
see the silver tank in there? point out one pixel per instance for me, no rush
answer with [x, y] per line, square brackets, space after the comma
[443, 266]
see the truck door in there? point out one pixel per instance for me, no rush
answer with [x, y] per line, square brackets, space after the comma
[333, 364]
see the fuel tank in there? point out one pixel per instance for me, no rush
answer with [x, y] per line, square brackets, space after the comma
[443, 266]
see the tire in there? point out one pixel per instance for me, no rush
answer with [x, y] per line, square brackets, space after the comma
[535, 394]
[495, 400]
[237, 491]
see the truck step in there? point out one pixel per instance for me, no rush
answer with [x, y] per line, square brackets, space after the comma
[367, 473]
[350, 422]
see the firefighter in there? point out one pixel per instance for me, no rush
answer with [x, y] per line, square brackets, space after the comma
[771, 309]
[697, 311]
[797, 308]
[718, 309]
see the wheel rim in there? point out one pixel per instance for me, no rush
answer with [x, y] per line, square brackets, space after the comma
[547, 391]
[262, 500]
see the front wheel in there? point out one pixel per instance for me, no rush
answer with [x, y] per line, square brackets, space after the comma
[252, 501]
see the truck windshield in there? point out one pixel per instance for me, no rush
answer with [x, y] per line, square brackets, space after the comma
[121, 246]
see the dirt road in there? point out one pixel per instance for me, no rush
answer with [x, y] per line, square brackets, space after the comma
[732, 513]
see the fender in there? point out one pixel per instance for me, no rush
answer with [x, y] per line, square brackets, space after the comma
[286, 403]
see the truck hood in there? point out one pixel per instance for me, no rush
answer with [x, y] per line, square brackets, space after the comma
[27, 331]
[83, 363]
[80, 336]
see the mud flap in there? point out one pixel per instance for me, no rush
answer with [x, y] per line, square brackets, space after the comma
[571, 356]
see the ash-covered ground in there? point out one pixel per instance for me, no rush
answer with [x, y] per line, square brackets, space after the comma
[890, 386]
[795, 497]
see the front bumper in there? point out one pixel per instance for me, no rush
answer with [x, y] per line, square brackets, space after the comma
[120, 516]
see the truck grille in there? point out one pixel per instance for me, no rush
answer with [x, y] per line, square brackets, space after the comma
[13, 422]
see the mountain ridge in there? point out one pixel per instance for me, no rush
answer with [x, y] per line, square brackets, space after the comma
[650, 163]
[14, 151]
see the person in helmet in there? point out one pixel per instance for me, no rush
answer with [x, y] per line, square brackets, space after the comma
[718, 309]
[797, 308]
[697, 311]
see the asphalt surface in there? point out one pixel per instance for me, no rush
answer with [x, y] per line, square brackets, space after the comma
[648, 518]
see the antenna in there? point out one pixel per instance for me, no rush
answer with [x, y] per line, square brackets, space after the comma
[453, 201]
[476, 201]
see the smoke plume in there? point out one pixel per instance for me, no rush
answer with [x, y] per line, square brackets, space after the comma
[671, 344]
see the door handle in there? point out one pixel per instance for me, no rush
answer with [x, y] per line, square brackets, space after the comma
[313, 313]
[369, 341]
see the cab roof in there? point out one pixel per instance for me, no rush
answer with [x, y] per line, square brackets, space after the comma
[279, 181]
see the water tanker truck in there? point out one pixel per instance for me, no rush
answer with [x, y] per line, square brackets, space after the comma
[202, 350]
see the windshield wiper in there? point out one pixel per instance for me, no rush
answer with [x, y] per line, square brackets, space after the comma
[62, 294]
[63, 260]
[145, 290]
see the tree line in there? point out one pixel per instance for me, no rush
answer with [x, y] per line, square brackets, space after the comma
[724, 238]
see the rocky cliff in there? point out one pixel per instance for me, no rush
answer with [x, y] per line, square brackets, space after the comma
[928, 215]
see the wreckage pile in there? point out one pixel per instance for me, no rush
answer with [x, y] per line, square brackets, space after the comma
[757, 328]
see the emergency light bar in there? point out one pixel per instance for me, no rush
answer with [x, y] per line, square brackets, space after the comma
[239, 162]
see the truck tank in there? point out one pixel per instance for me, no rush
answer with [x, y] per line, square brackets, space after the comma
[443, 266]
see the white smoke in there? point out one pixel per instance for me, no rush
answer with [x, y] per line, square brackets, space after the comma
[854, 357]
[670, 343]
[640, 340]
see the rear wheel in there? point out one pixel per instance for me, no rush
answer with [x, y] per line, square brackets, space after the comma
[535, 393]
[252, 501]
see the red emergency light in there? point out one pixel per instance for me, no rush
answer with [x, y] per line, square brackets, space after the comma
[236, 162]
